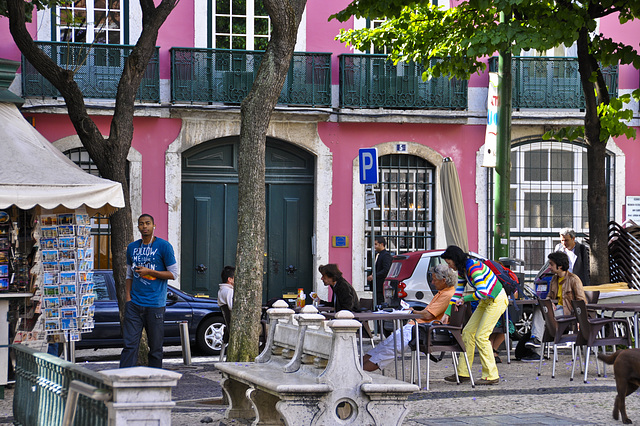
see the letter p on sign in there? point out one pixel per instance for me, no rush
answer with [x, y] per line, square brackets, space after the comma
[368, 159]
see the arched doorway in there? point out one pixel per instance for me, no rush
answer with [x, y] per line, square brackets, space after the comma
[209, 216]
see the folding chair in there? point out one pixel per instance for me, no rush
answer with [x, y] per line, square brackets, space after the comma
[423, 342]
[557, 330]
[591, 328]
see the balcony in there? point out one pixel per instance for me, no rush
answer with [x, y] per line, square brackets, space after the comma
[372, 81]
[550, 82]
[222, 75]
[98, 68]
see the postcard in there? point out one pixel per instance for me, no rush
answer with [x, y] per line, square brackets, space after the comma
[67, 301]
[67, 242]
[65, 230]
[82, 219]
[50, 278]
[67, 266]
[88, 253]
[68, 312]
[68, 323]
[4, 256]
[86, 265]
[50, 266]
[67, 254]
[51, 290]
[84, 241]
[87, 300]
[74, 336]
[86, 287]
[51, 313]
[4, 243]
[51, 302]
[52, 325]
[65, 219]
[48, 220]
[4, 283]
[67, 277]
[68, 288]
[49, 231]
[4, 270]
[49, 255]
[48, 243]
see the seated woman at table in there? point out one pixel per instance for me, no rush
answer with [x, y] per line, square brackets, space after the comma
[444, 279]
[344, 295]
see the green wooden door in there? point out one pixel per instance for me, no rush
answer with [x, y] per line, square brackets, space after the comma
[209, 217]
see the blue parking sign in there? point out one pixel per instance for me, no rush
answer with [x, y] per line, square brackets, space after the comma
[368, 159]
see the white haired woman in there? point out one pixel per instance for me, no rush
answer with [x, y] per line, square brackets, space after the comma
[444, 279]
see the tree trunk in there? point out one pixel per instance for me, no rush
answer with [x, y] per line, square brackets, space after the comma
[256, 112]
[598, 208]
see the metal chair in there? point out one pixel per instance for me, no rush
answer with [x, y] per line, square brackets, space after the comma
[591, 328]
[423, 342]
[557, 330]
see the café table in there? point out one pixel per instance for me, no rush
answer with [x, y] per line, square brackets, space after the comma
[396, 318]
[633, 308]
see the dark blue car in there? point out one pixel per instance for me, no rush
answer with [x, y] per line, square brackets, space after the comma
[206, 324]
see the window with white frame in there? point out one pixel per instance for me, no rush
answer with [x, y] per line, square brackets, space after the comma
[90, 21]
[549, 182]
[240, 24]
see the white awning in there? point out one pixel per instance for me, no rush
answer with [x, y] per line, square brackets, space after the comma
[33, 172]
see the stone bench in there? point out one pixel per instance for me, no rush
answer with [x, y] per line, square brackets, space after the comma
[310, 374]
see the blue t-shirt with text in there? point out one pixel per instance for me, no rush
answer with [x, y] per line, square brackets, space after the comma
[145, 290]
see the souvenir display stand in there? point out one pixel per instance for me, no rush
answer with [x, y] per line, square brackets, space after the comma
[46, 202]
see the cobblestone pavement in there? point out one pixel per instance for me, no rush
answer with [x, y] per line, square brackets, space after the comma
[521, 397]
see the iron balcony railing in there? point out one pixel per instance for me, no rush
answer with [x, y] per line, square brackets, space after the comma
[97, 70]
[42, 385]
[372, 81]
[550, 82]
[222, 75]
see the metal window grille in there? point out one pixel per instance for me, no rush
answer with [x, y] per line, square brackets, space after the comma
[100, 225]
[548, 192]
[404, 212]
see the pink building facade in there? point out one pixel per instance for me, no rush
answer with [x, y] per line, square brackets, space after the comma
[183, 160]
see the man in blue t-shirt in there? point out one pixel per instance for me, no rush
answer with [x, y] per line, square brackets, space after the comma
[150, 264]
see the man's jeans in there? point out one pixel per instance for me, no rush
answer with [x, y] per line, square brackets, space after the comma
[135, 319]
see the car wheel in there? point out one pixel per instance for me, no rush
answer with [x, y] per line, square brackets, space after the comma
[210, 335]
[523, 325]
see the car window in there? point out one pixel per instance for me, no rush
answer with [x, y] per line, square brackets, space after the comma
[100, 287]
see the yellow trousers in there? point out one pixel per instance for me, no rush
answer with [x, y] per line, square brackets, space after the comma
[477, 332]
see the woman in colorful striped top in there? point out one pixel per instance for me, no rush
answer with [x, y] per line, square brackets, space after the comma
[492, 304]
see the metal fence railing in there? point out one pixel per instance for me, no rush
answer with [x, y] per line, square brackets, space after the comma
[372, 81]
[550, 82]
[42, 385]
[223, 75]
[97, 71]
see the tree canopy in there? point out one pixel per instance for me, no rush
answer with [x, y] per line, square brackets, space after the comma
[463, 36]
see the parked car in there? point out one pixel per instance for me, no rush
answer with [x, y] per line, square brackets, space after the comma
[202, 314]
[409, 280]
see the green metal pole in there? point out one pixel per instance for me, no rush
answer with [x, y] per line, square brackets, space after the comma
[502, 172]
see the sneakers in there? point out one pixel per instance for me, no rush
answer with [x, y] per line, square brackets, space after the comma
[485, 382]
[452, 379]
[532, 357]
[533, 343]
